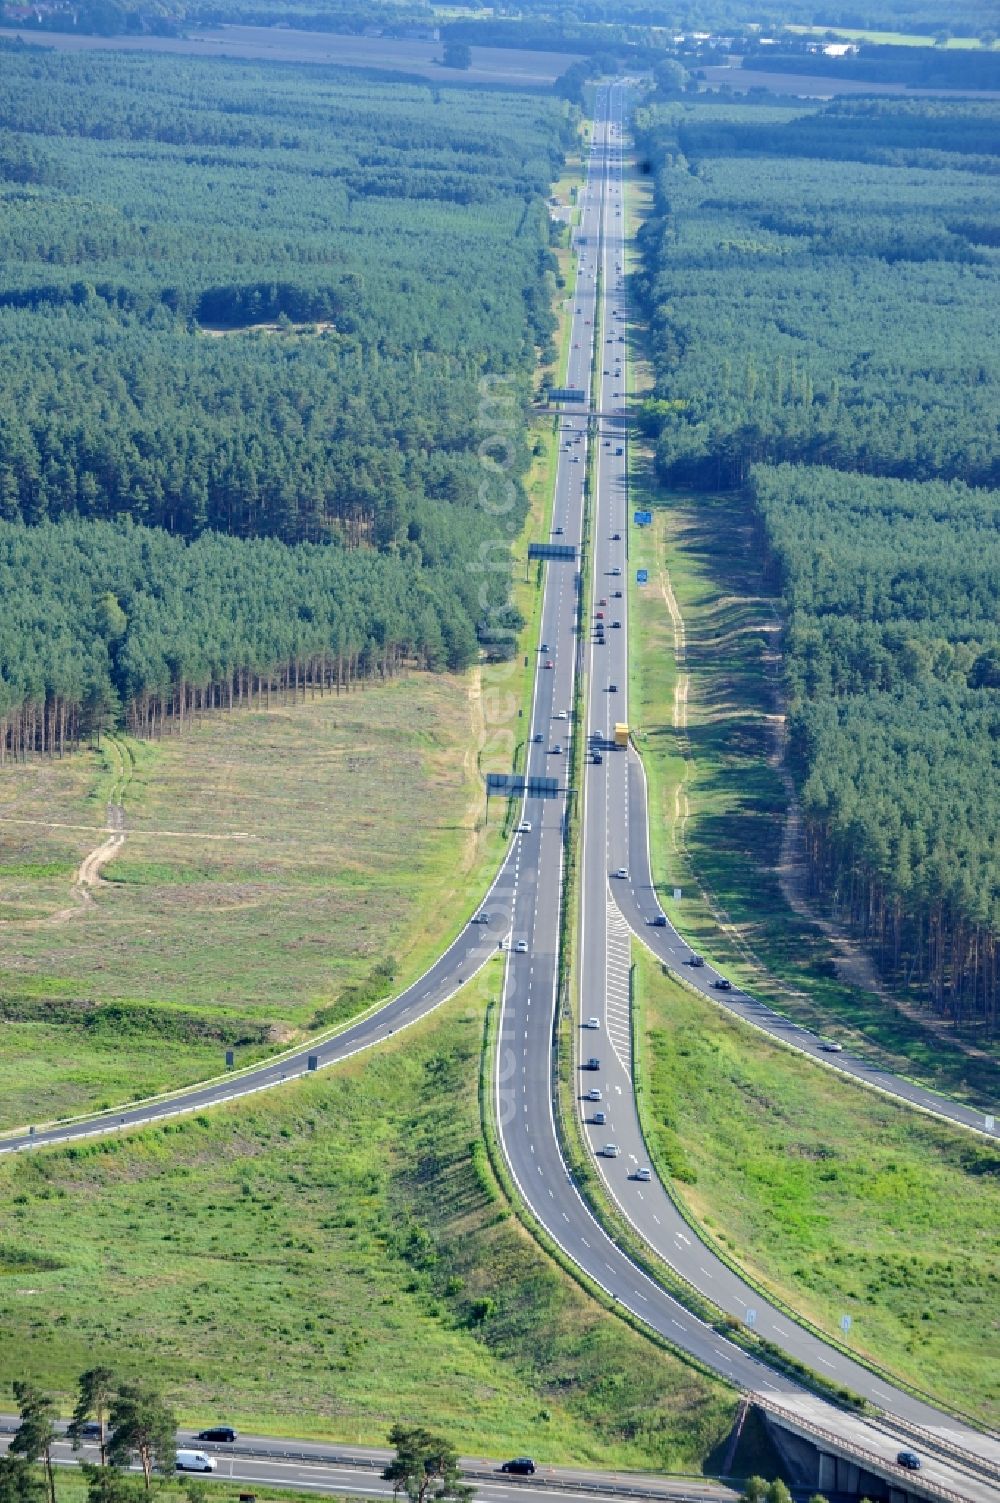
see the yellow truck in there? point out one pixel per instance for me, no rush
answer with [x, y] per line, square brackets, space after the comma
[621, 733]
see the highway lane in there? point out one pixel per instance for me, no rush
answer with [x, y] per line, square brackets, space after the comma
[354, 1470]
[525, 1053]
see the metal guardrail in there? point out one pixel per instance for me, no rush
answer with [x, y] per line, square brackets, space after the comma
[870, 1458]
[942, 1445]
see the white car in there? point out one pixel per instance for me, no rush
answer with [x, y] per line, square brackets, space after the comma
[563, 715]
[622, 872]
[643, 1174]
[593, 1023]
[524, 828]
[611, 1150]
[521, 948]
[594, 1094]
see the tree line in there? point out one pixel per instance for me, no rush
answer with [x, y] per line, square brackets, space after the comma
[262, 302]
[818, 287]
[133, 1423]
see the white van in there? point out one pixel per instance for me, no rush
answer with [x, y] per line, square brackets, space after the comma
[195, 1461]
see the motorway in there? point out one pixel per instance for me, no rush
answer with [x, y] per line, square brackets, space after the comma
[312, 1466]
[524, 1066]
[525, 900]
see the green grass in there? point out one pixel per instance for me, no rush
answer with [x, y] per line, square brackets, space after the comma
[329, 1258]
[838, 1200]
[264, 854]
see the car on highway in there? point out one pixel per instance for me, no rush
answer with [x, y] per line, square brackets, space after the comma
[616, 624]
[594, 1094]
[549, 663]
[555, 751]
[195, 1461]
[602, 601]
[644, 1174]
[616, 571]
[612, 688]
[558, 531]
[598, 759]
[619, 450]
[480, 918]
[599, 1119]
[721, 984]
[617, 594]
[91, 1430]
[611, 1150]
[658, 921]
[521, 948]
[616, 537]
[521, 1466]
[622, 873]
[829, 1047]
[524, 828]
[576, 347]
[695, 960]
[593, 1063]
[226, 1432]
[538, 738]
[562, 715]
[592, 1023]
[910, 1460]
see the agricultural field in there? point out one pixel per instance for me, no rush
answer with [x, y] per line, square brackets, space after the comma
[272, 860]
[831, 1197]
[348, 1231]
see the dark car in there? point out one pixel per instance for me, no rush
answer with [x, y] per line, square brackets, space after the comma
[226, 1432]
[521, 1466]
[722, 985]
[695, 960]
[89, 1430]
[659, 922]
[592, 1063]
[910, 1460]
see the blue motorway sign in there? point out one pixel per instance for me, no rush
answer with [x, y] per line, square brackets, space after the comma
[641, 576]
[643, 518]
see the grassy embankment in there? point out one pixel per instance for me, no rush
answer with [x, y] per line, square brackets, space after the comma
[837, 1200]
[707, 735]
[273, 859]
[348, 1232]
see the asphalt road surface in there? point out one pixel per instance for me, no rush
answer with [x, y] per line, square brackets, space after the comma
[314, 1466]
